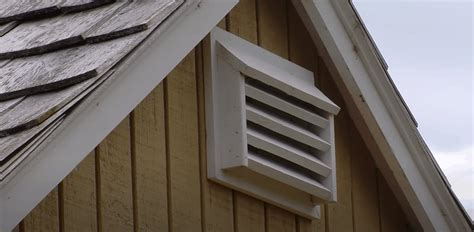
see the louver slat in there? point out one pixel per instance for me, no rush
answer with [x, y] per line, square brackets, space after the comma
[287, 152]
[286, 107]
[286, 176]
[283, 127]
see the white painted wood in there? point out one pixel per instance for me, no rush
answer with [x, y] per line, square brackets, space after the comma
[282, 105]
[280, 173]
[411, 170]
[241, 178]
[329, 135]
[106, 107]
[285, 128]
[230, 107]
[281, 114]
[267, 189]
[287, 152]
[275, 71]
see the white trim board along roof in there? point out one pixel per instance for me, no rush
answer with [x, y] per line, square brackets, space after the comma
[381, 115]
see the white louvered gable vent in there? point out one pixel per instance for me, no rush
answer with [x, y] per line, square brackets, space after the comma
[270, 130]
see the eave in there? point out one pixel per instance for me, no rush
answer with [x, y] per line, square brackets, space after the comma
[96, 117]
[381, 115]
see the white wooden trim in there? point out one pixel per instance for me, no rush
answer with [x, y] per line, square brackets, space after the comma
[232, 108]
[254, 98]
[272, 70]
[102, 111]
[378, 107]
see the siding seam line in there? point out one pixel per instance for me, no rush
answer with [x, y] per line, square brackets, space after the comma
[379, 205]
[167, 151]
[133, 164]
[227, 22]
[22, 226]
[257, 17]
[265, 216]
[288, 38]
[354, 228]
[199, 75]
[234, 211]
[61, 206]
[326, 218]
[98, 191]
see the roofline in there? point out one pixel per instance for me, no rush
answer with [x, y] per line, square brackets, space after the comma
[103, 110]
[381, 59]
[381, 115]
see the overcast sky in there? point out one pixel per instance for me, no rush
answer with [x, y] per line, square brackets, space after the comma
[428, 45]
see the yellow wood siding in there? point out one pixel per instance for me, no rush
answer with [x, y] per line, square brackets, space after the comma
[149, 174]
[149, 163]
[79, 197]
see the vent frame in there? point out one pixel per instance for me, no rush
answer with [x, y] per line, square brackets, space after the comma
[227, 94]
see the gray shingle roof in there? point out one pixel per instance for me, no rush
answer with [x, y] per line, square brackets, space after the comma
[53, 53]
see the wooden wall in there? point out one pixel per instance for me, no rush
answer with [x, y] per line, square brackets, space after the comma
[149, 174]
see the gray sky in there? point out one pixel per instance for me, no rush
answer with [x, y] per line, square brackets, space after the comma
[428, 45]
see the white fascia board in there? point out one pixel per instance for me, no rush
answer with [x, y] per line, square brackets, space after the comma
[334, 23]
[101, 112]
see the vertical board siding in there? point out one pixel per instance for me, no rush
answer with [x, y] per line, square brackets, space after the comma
[279, 220]
[242, 20]
[45, 217]
[79, 197]
[364, 174]
[273, 26]
[302, 50]
[150, 173]
[115, 188]
[339, 216]
[183, 147]
[306, 225]
[149, 163]
[17, 229]
[249, 214]
[392, 218]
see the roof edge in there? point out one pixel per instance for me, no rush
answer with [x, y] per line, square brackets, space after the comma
[376, 51]
[98, 115]
[359, 70]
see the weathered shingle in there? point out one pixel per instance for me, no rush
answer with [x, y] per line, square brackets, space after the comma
[38, 37]
[14, 10]
[69, 6]
[137, 16]
[37, 74]
[64, 52]
[14, 143]
[8, 104]
[5, 28]
[20, 10]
